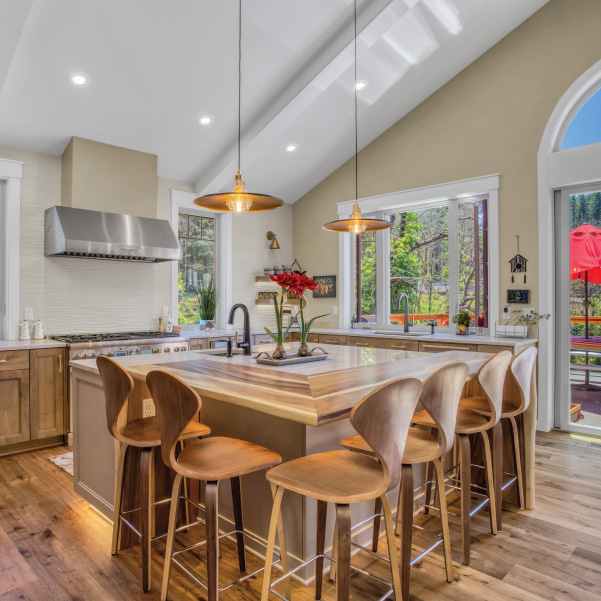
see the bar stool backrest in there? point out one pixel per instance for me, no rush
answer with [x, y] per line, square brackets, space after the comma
[491, 378]
[176, 404]
[440, 397]
[383, 418]
[522, 371]
[118, 385]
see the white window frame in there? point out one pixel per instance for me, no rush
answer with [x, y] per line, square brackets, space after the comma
[183, 202]
[11, 173]
[451, 194]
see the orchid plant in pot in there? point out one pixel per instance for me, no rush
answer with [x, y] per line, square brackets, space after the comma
[298, 284]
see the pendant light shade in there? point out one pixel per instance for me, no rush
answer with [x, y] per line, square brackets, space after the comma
[239, 201]
[357, 224]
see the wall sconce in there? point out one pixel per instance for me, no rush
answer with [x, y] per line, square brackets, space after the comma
[274, 241]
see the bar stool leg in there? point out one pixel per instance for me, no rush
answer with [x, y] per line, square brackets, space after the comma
[518, 460]
[497, 440]
[376, 531]
[444, 519]
[406, 527]
[490, 483]
[278, 493]
[466, 494]
[322, 512]
[343, 578]
[170, 534]
[392, 551]
[145, 496]
[283, 549]
[428, 490]
[212, 541]
[237, 502]
[334, 564]
[118, 499]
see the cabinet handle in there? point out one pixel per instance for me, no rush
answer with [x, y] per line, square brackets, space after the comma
[331, 341]
[60, 364]
[361, 343]
[452, 347]
[399, 346]
[2, 360]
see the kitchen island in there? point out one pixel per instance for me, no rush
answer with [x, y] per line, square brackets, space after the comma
[295, 410]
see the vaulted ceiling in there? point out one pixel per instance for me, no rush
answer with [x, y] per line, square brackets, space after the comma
[154, 67]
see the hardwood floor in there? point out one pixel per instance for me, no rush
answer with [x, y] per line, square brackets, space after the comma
[54, 548]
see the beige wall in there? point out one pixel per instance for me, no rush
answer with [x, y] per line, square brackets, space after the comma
[488, 119]
[101, 177]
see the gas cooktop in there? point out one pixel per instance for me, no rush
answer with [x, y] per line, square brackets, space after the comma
[75, 338]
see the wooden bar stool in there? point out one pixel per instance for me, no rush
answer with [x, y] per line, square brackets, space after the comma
[382, 418]
[516, 399]
[209, 460]
[440, 398]
[142, 433]
[490, 380]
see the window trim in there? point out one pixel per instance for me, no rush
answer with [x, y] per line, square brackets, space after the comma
[405, 200]
[183, 202]
[11, 173]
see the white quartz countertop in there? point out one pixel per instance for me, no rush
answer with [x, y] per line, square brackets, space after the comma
[425, 337]
[14, 345]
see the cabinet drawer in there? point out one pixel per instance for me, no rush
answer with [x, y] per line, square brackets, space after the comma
[442, 347]
[494, 348]
[10, 360]
[401, 345]
[196, 344]
[263, 339]
[361, 341]
[14, 392]
[313, 338]
[332, 339]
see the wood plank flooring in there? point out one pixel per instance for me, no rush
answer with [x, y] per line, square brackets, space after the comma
[54, 548]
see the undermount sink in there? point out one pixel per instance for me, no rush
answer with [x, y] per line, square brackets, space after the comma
[393, 333]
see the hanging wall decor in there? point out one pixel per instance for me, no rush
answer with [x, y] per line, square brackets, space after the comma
[518, 264]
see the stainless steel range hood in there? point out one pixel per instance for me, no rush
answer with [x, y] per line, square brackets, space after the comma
[83, 234]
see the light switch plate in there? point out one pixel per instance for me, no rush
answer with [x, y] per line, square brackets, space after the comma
[335, 309]
[28, 312]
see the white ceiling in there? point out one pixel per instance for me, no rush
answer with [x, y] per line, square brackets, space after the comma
[155, 66]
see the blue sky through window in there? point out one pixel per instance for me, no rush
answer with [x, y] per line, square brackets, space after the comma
[585, 127]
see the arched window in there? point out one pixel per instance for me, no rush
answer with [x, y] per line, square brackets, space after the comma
[585, 127]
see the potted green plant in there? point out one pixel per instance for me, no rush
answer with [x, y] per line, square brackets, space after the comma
[462, 320]
[207, 297]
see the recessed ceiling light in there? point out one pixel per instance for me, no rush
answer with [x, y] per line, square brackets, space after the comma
[205, 120]
[79, 78]
[291, 147]
[360, 85]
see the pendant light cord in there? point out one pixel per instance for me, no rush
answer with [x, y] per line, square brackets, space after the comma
[239, 78]
[356, 120]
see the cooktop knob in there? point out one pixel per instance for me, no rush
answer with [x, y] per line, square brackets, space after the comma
[110, 354]
[156, 349]
[134, 351]
[166, 350]
[77, 356]
[90, 355]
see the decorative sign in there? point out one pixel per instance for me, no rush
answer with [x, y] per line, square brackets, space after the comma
[518, 263]
[518, 296]
[326, 286]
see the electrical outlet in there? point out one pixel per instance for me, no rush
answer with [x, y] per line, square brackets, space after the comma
[165, 311]
[335, 309]
[148, 409]
[28, 312]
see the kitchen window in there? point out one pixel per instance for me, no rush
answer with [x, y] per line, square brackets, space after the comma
[197, 264]
[436, 253]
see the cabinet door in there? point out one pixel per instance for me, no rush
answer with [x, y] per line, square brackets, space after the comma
[14, 406]
[46, 393]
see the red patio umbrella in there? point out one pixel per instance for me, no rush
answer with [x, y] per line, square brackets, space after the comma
[585, 260]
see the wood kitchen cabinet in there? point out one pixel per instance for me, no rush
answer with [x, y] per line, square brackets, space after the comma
[46, 393]
[14, 406]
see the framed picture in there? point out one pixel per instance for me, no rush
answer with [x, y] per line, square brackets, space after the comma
[518, 296]
[326, 286]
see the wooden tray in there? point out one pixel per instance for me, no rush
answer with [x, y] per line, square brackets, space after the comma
[291, 360]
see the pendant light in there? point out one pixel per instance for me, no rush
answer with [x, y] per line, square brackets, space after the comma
[357, 224]
[239, 201]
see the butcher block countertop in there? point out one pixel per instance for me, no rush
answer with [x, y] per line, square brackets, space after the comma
[310, 393]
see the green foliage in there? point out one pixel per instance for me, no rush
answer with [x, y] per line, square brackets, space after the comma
[531, 318]
[207, 297]
[463, 318]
